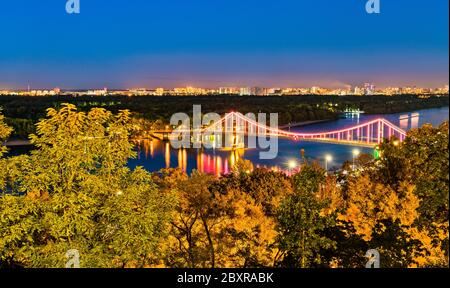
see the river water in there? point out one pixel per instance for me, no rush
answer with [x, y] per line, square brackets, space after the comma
[154, 155]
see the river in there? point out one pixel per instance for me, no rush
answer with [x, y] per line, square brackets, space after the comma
[154, 155]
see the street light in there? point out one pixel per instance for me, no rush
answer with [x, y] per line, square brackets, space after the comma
[328, 158]
[292, 164]
[356, 153]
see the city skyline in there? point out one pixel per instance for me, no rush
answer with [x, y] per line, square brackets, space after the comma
[366, 89]
[214, 44]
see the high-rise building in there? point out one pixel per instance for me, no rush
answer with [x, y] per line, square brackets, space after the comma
[246, 91]
[359, 91]
[258, 91]
[369, 89]
[229, 91]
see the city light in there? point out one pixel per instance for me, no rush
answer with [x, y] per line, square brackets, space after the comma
[367, 89]
[328, 158]
[292, 164]
[356, 153]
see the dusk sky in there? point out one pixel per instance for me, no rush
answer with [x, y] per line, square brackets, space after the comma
[213, 43]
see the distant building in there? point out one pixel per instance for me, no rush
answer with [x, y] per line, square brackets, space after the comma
[159, 91]
[274, 91]
[229, 91]
[369, 89]
[258, 91]
[246, 91]
[359, 91]
[190, 91]
[315, 90]
[102, 92]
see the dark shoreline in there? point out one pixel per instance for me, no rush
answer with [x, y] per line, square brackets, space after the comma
[305, 123]
[25, 142]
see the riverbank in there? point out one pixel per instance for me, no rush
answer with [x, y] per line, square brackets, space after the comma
[304, 123]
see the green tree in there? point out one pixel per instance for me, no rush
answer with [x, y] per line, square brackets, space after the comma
[302, 222]
[5, 131]
[422, 159]
[75, 192]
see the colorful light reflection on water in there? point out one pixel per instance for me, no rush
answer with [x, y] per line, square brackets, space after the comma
[155, 155]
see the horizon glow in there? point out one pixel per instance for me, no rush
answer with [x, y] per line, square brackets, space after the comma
[131, 44]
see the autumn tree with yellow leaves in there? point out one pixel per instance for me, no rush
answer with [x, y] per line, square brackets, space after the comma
[5, 131]
[399, 204]
[219, 223]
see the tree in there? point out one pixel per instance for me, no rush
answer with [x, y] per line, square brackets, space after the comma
[425, 155]
[244, 235]
[302, 222]
[243, 167]
[399, 203]
[423, 160]
[5, 131]
[379, 215]
[75, 192]
[190, 243]
[266, 187]
[369, 204]
[217, 223]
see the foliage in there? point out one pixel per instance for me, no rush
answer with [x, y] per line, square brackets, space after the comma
[5, 131]
[399, 203]
[301, 222]
[218, 225]
[75, 192]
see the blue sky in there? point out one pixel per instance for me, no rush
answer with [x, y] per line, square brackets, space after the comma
[211, 43]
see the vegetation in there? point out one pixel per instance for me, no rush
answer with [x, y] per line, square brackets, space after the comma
[5, 132]
[74, 191]
[158, 110]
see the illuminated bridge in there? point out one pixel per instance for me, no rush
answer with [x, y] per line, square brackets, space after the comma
[366, 134]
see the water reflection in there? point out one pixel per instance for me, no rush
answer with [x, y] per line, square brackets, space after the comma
[415, 118]
[154, 154]
[167, 154]
[404, 121]
[409, 121]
